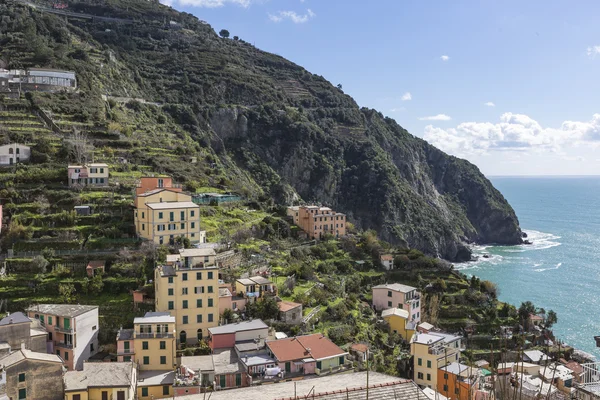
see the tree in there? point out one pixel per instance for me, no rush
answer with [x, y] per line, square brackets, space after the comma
[551, 319]
[78, 146]
[227, 316]
[39, 264]
[95, 285]
[525, 310]
[339, 86]
[236, 38]
[67, 292]
[224, 33]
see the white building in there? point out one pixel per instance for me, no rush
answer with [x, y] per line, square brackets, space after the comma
[14, 153]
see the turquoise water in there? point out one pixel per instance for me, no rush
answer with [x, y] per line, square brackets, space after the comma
[561, 270]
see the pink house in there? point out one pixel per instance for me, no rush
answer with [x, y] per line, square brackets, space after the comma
[400, 296]
[226, 336]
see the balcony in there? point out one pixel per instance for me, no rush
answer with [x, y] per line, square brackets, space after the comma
[63, 329]
[144, 335]
[125, 352]
[158, 335]
[161, 335]
[64, 345]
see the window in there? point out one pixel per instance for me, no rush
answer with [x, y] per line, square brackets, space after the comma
[420, 362]
[143, 214]
[184, 276]
[419, 375]
[238, 379]
[160, 215]
[144, 345]
[50, 336]
[163, 345]
[126, 346]
[171, 216]
[22, 394]
[184, 291]
[58, 353]
[185, 304]
[143, 227]
[22, 377]
[127, 358]
[182, 215]
[192, 225]
[170, 291]
[50, 320]
[428, 377]
[222, 381]
[92, 347]
[199, 318]
[210, 289]
[163, 360]
[66, 356]
[210, 318]
[445, 388]
[182, 226]
[165, 390]
[210, 275]
[210, 302]
[192, 213]
[185, 319]
[198, 303]
[144, 392]
[456, 391]
[199, 289]
[170, 279]
[101, 170]
[198, 276]
[389, 303]
[171, 306]
[428, 363]
[445, 377]
[389, 293]
[104, 395]
[146, 360]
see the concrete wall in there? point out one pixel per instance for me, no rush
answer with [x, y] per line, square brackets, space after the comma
[251, 335]
[155, 392]
[293, 316]
[15, 334]
[86, 326]
[43, 380]
[223, 341]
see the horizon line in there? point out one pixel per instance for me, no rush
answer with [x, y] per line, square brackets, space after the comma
[544, 176]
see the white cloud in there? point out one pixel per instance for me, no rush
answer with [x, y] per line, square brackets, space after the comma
[406, 96]
[514, 133]
[593, 51]
[439, 117]
[489, 104]
[444, 58]
[292, 16]
[398, 109]
[207, 3]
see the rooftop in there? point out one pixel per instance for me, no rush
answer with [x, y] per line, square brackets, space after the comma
[100, 374]
[14, 318]
[155, 318]
[260, 280]
[203, 252]
[171, 258]
[249, 345]
[398, 287]
[535, 355]
[455, 368]
[172, 204]
[238, 327]
[24, 354]
[167, 270]
[155, 378]
[97, 165]
[251, 361]
[224, 292]
[363, 348]
[426, 325]
[316, 346]
[433, 394]
[399, 312]
[285, 306]
[246, 281]
[62, 310]
[198, 363]
[386, 257]
[125, 334]
[226, 361]
[396, 389]
[157, 190]
[426, 338]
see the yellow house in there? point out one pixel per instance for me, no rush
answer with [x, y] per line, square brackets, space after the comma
[399, 322]
[98, 381]
[191, 295]
[430, 352]
[155, 384]
[162, 215]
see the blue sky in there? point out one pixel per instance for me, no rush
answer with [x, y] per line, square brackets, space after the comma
[513, 86]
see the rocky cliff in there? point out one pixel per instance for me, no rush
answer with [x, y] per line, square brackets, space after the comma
[281, 130]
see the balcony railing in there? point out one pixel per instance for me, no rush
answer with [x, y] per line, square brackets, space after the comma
[63, 329]
[125, 352]
[64, 345]
[164, 335]
[158, 335]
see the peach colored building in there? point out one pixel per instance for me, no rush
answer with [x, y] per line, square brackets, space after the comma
[399, 296]
[318, 221]
[95, 174]
[149, 183]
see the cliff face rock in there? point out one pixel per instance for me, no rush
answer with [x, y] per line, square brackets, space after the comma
[270, 121]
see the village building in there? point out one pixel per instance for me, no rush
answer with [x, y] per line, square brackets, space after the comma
[535, 357]
[191, 295]
[430, 352]
[151, 183]
[535, 320]
[290, 312]
[26, 374]
[114, 380]
[425, 327]
[228, 370]
[94, 174]
[155, 384]
[94, 267]
[226, 336]
[400, 296]
[360, 351]
[72, 331]
[559, 376]
[318, 221]
[197, 258]
[14, 153]
[194, 374]
[308, 354]
[255, 287]
[163, 215]
[458, 381]
[399, 322]
[387, 260]
[17, 329]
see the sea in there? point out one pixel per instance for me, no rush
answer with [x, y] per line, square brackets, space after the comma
[560, 271]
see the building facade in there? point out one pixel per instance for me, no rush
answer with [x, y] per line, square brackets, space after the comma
[110, 381]
[163, 215]
[72, 331]
[95, 174]
[399, 296]
[432, 351]
[31, 375]
[191, 295]
[399, 322]
[17, 329]
[226, 336]
[14, 153]
[150, 183]
[317, 222]
[458, 381]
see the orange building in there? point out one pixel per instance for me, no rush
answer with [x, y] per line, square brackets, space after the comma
[458, 381]
[318, 221]
[148, 183]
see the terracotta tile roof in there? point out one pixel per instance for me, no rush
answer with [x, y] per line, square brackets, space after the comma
[96, 264]
[316, 346]
[575, 367]
[387, 257]
[363, 348]
[535, 317]
[285, 306]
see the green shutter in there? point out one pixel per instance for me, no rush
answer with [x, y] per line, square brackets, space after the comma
[238, 379]
[144, 392]
[67, 322]
[319, 365]
[165, 390]
[222, 381]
